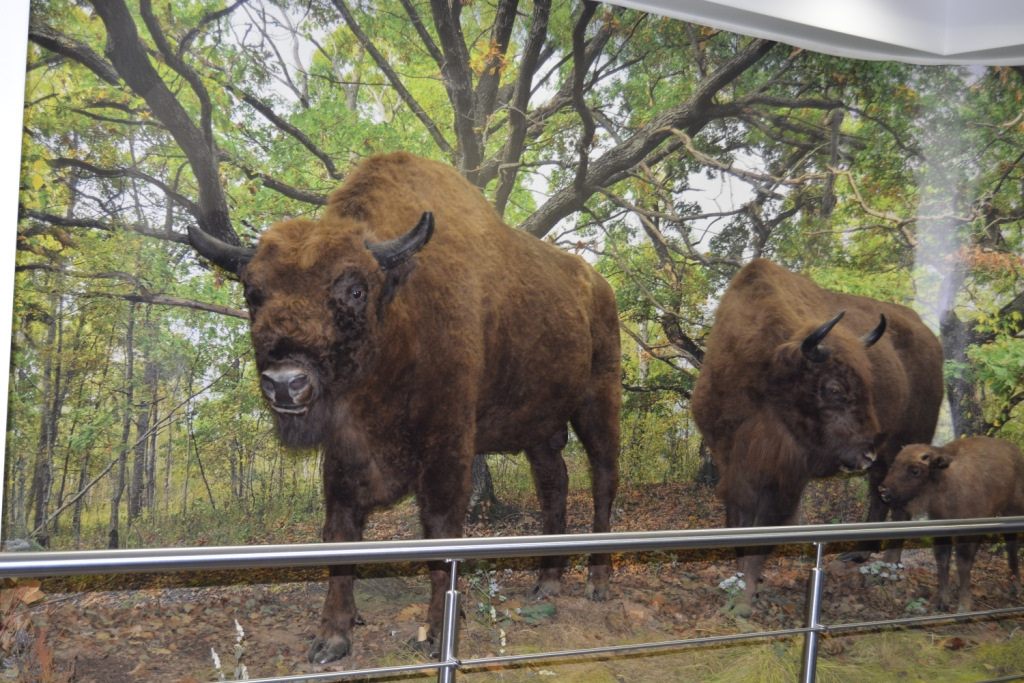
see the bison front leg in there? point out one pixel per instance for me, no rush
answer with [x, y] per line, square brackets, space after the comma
[1012, 560]
[776, 505]
[943, 550]
[749, 561]
[878, 510]
[443, 502]
[334, 638]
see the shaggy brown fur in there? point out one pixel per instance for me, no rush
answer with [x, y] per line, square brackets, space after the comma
[774, 416]
[965, 479]
[487, 340]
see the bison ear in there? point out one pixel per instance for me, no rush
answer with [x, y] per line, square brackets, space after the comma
[788, 362]
[940, 461]
[811, 346]
[393, 253]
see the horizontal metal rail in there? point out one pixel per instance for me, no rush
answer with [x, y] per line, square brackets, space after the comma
[64, 563]
[138, 560]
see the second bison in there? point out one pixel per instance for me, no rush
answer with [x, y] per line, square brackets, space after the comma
[967, 478]
[799, 382]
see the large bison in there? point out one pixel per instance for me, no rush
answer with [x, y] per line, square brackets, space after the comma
[799, 382]
[973, 477]
[410, 328]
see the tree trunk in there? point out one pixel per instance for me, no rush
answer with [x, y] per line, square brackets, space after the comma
[149, 497]
[707, 474]
[483, 504]
[964, 404]
[63, 482]
[236, 468]
[113, 537]
[76, 516]
[167, 465]
[42, 472]
[142, 441]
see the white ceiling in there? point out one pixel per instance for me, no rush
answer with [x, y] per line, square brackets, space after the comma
[988, 32]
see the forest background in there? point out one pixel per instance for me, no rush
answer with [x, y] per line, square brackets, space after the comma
[666, 153]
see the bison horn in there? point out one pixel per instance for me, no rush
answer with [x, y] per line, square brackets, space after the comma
[874, 335]
[399, 250]
[227, 256]
[811, 345]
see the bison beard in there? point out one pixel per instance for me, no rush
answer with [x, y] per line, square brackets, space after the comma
[784, 397]
[403, 352]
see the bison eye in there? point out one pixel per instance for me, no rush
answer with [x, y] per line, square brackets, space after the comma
[914, 472]
[833, 393]
[350, 292]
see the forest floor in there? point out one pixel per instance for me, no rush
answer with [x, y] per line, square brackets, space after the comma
[163, 627]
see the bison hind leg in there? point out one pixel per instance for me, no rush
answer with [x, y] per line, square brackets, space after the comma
[966, 550]
[551, 482]
[596, 423]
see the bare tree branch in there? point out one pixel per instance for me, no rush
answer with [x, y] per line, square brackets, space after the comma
[615, 164]
[586, 140]
[289, 129]
[458, 81]
[393, 78]
[528, 64]
[48, 37]
[128, 55]
[101, 172]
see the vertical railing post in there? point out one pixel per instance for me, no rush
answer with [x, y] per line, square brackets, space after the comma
[448, 656]
[813, 615]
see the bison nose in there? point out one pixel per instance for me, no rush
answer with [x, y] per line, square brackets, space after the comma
[858, 460]
[883, 493]
[288, 388]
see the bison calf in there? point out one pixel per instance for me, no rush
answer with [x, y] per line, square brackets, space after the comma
[966, 478]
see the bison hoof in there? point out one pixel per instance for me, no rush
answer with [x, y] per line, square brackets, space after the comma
[596, 592]
[546, 589]
[738, 607]
[857, 556]
[430, 647]
[325, 650]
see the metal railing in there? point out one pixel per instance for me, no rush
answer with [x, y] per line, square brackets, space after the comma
[72, 563]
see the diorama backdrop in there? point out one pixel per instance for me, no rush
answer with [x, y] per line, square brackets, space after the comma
[668, 154]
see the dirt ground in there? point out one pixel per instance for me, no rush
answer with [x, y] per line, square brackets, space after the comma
[166, 627]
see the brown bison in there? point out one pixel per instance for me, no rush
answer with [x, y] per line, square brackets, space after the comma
[410, 328]
[967, 478]
[799, 382]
